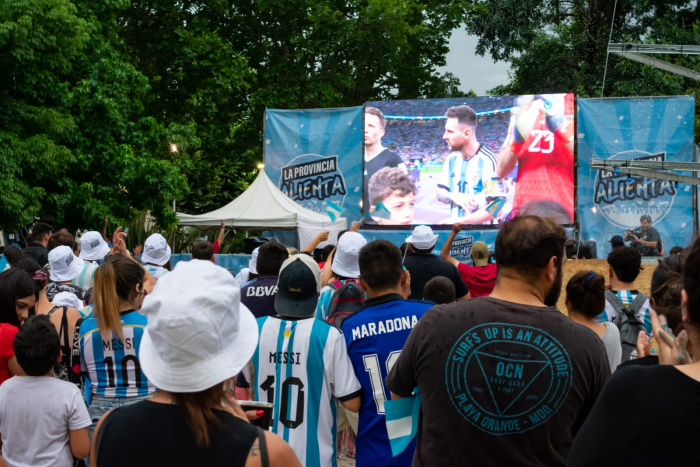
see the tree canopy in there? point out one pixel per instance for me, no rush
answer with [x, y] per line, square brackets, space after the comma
[117, 107]
[561, 45]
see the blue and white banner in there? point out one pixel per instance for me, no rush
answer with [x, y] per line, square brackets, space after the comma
[402, 421]
[658, 129]
[315, 158]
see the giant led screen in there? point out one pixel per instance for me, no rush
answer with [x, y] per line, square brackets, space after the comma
[475, 161]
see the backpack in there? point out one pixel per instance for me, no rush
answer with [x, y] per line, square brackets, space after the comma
[627, 322]
[347, 298]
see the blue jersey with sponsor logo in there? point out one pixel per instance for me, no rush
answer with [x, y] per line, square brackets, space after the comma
[112, 365]
[375, 336]
[259, 296]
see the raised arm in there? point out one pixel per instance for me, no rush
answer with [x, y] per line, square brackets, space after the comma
[322, 237]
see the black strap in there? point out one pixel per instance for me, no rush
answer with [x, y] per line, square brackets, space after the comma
[64, 332]
[98, 434]
[56, 307]
[75, 353]
[264, 457]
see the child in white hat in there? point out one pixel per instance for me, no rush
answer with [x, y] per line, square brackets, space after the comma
[156, 255]
[344, 265]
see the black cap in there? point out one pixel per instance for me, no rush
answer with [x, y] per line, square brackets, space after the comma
[298, 287]
[617, 240]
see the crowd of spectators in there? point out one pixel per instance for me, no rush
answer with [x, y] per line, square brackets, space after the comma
[108, 358]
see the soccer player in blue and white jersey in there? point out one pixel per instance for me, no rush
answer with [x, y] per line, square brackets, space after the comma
[110, 340]
[301, 365]
[624, 266]
[466, 170]
[375, 337]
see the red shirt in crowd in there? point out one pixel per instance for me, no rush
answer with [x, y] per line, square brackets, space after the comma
[479, 279]
[7, 336]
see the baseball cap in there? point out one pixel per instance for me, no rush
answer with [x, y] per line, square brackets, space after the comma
[480, 254]
[64, 265]
[253, 263]
[156, 250]
[199, 333]
[297, 287]
[347, 253]
[92, 246]
[422, 237]
[617, 240]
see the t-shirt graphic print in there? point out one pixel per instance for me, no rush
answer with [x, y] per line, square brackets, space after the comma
[505, 378]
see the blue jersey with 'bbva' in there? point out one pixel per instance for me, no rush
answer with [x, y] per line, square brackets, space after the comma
[375, 336]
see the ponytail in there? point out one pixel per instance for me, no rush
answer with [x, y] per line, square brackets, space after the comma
[115, 279]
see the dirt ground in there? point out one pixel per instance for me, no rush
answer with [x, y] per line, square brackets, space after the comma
[571, 267]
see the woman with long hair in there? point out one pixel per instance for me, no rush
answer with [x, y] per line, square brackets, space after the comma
[64, 318]
[18, 296]
[666, 290]
[199, 336]
[109, 339]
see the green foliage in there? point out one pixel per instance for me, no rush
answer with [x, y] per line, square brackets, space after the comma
[95, 94]
[563, 47]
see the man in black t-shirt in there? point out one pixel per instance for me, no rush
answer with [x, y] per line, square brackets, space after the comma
[376, 155]
[505, 379]
[645, 238]
[423, 265]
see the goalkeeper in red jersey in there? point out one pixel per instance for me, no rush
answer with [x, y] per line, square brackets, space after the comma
[541, 140]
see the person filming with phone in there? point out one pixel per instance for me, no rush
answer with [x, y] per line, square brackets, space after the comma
[645, 238]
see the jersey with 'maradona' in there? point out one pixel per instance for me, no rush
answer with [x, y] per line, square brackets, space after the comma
[300, 366]
[376, 336]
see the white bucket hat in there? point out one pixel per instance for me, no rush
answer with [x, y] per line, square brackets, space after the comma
[253, 263]
[422, 237]
[64, 265]
[347, 254]
[92, 246]
[156, 250]
[199, 333]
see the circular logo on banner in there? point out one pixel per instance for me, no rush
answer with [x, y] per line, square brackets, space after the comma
[505, 378]
[312, 180]
[623, 200]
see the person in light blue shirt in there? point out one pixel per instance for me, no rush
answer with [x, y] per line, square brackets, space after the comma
[156, 255]
[93, 250]
[110, 339]
[624, 266]
[344, 266]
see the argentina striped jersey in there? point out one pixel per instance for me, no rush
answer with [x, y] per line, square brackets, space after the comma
[84, 280]
[301, 366]
[470, 177]
[112, 365]
[627, 297]
[157, 271]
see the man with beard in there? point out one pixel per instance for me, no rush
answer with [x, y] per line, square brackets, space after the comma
[467, 171]
[507, 372]
[645, 238]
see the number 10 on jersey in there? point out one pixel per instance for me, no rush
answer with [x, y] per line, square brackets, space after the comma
[376, 378]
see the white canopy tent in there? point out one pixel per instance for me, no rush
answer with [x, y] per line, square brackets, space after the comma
[264, 207]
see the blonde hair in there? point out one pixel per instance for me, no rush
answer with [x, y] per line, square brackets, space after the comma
[115, 279]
